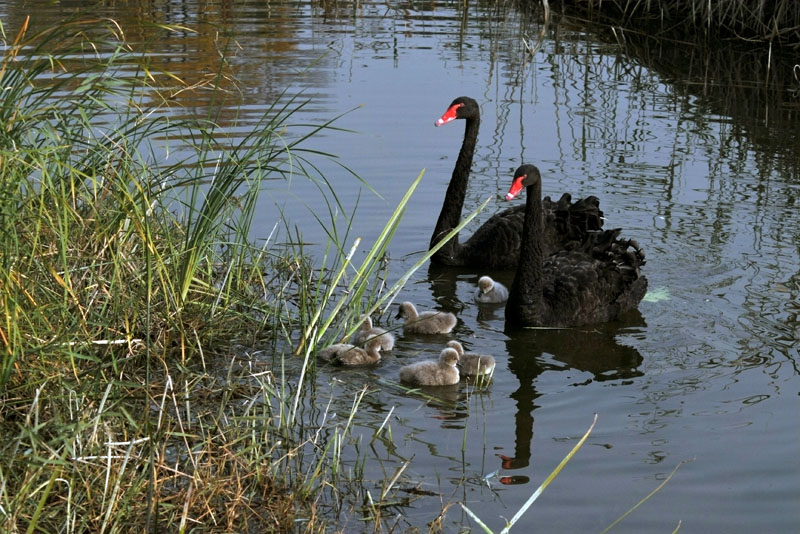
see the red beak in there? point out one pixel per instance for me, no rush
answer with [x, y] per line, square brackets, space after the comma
[516, 187]
[449, 115]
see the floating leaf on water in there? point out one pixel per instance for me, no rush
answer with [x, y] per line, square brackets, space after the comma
[656, 295]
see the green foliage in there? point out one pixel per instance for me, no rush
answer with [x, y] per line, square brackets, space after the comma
[125, 281]
[120, 276]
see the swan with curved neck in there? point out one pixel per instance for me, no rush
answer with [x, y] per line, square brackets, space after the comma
[496, 243]
[427, 322]
[571, 288]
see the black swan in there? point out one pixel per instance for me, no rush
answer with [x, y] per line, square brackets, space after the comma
[495, 244]
[433, 373]
[367, 331]
[471, 363]
[570, 288]
[490, 291]
[427, 322]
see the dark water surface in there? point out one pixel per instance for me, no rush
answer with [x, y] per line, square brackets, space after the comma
[706, 179]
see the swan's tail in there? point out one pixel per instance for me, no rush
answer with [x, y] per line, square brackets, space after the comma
[569, 223]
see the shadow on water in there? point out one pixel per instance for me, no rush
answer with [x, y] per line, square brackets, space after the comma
[443, 281]
[533, 351]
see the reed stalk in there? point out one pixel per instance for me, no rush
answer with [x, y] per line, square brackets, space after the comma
[127, 284]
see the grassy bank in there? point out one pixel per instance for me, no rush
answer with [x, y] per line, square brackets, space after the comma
[158, 363]
[130, 291]
[772, 21]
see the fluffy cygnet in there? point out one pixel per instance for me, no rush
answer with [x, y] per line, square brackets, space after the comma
[347, 354]
[472, 364]
[367, 332]
[490, 292]
[427, 322]
[433, 373]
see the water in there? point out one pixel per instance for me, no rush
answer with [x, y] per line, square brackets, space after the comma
[701, 171]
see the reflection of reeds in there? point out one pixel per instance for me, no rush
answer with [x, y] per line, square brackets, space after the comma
[764, 20]
[756, 85]
[756, 88]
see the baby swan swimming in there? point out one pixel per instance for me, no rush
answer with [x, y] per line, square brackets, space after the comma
[433, 373]
[347, 354]
[427, 322]
[472, 364]
[367, 332]
[490, 292]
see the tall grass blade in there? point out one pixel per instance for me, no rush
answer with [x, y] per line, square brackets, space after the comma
[645, 499]
[361, 276]
[477, 520]
[540, 489]
[549, 479]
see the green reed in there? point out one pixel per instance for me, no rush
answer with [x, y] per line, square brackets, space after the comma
[124, 283]
[131, 291]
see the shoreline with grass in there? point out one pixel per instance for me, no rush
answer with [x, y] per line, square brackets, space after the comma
[127, 284]
[132, 295]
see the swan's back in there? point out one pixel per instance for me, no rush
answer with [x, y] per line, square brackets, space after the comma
[490, 291]
[496, 244]
[433, 373]
[427, 322]
[471, 363]
[367, 331]
[351, 355]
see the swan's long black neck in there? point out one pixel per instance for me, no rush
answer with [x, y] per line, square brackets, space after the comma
[525, 300]
[450, 216]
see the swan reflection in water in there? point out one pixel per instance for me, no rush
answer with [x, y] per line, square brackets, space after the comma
[531, 352]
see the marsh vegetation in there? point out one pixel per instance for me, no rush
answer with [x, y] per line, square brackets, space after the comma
[159, 325]
[130, 286]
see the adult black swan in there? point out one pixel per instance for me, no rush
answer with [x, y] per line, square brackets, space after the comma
[495, 245]
[589, 285]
